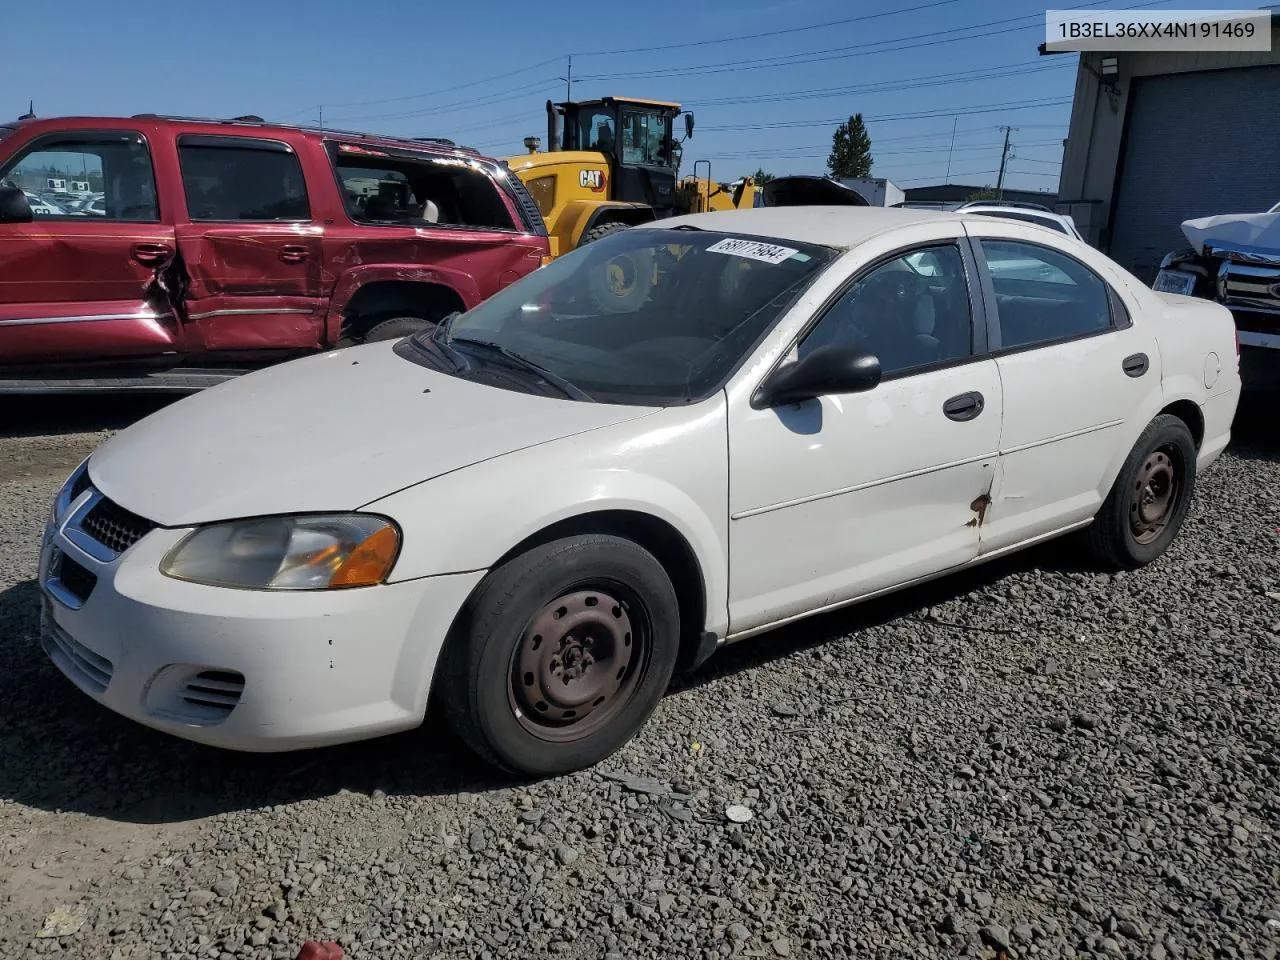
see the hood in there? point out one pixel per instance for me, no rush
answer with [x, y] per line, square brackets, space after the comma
[1235, 233]
[805, 191]
[331, 432]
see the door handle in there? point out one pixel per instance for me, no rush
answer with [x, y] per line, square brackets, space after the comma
[1136, 364]
[964, 406]
[151, 254]
[293, 253]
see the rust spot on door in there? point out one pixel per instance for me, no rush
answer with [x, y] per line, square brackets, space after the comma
[979, 508]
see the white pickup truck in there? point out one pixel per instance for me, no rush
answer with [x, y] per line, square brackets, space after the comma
[1235, 260]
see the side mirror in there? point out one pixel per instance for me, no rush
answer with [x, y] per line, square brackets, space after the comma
[688, 126]
[828, 370]
[14, 207]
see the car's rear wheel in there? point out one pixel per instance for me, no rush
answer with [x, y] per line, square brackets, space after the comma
[1149, 499]
[561, 655]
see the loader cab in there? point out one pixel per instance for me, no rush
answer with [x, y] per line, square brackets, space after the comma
[636, 136]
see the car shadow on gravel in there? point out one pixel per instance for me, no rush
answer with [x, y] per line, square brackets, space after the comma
[60, 414]
[60, 751]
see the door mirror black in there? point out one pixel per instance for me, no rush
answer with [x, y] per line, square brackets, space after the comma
[14, 207]
[688, 126]
[828, 370]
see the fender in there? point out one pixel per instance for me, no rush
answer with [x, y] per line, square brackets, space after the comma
[352, 279]
[525, 492]
[580, 216]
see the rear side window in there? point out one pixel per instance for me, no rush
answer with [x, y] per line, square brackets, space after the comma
[1044, 296]
[228, 179]
[381, 188]
[115, 164]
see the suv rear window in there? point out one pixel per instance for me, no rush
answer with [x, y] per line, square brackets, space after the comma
[386, 187]
[242, 179]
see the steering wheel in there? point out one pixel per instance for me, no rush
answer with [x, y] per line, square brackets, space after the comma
[885, 303]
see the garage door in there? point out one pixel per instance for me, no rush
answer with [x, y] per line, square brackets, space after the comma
[1196, 144]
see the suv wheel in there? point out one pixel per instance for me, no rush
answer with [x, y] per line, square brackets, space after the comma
[389, 327]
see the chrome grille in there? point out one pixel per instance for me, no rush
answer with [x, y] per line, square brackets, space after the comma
[115, 527]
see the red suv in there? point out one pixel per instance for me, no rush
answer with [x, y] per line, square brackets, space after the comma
[192, 250]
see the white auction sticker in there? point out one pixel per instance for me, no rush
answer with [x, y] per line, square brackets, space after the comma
[753, 250]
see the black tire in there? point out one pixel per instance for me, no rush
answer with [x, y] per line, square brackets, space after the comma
[485, 680]
[603, 230]
[391, 326]
[1149, 499]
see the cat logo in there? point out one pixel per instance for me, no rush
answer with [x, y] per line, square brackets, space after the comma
[591, 179]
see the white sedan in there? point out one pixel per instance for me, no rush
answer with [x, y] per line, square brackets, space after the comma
[676, 437]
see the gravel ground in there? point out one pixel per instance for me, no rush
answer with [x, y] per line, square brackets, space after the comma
[1031, 758]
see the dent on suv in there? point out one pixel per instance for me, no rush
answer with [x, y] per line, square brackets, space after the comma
[220, 246]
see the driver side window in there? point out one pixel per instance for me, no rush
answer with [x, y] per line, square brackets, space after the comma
[911, 312]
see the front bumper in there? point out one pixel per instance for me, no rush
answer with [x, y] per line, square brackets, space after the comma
[241, 669]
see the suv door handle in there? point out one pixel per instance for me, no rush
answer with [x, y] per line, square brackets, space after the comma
[964, 406]
[151, 254]
[1136, 364]
[293, 253]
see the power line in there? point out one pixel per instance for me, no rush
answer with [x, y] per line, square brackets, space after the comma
[844, 52]
[485, 101]
[893, 86]
[453, 89]
[970, 110]
[769, 34]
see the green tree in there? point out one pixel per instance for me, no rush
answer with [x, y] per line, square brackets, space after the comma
[850, 150]
[761, 176]
[986, 193]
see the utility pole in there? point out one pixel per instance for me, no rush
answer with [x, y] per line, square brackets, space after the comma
[1004, 159]
[951, 149]
[568, 80]
[321, 109]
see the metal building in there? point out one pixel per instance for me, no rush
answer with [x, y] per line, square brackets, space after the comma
[1157, 138]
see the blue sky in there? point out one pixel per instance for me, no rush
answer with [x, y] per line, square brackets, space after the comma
[916, 70]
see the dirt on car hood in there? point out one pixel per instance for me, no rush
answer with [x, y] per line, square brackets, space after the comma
[332, 432]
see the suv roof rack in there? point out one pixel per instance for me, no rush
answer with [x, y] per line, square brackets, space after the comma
[255, 120]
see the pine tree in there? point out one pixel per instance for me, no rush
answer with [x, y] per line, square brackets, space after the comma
[850, 150]
[761, 177]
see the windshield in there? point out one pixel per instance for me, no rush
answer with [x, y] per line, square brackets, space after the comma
[643, 316]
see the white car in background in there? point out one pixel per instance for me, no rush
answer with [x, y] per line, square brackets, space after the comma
[679, 436]
[41, 207]
[1026, 212]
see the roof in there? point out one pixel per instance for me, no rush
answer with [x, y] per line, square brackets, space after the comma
[842, 227]
[438, 144]
[643, 100]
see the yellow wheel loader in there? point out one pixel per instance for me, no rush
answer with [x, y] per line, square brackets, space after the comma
[612, 163]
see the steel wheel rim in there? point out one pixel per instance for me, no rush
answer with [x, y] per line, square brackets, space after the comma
[579, 661]
[1155, 495]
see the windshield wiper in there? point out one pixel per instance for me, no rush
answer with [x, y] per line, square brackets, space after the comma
[443, 332]
[515, 359]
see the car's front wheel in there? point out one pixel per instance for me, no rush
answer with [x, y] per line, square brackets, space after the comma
[1149, 499]
[561, 655]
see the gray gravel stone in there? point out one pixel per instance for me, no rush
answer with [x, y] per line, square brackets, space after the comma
[1148, 830]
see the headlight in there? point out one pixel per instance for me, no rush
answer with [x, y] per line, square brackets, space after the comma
[288, 553]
